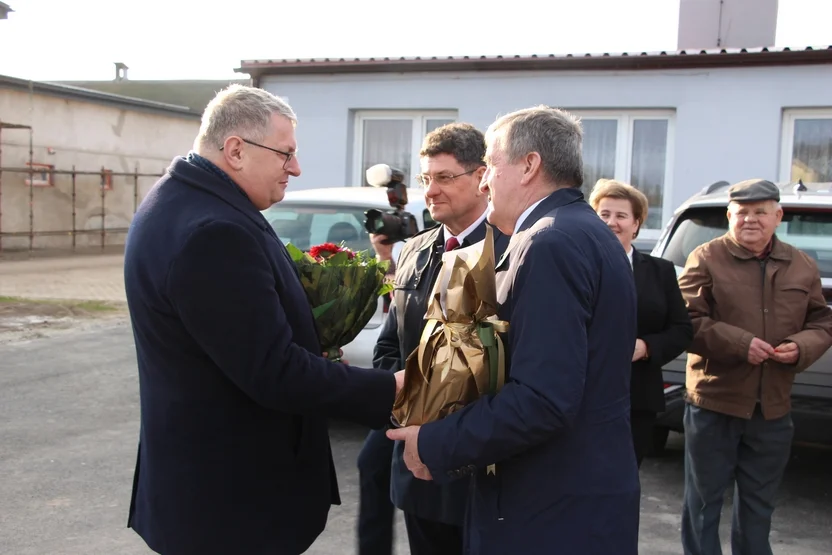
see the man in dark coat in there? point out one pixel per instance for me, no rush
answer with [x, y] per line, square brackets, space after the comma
[234, 453]
[564, 477]
[452, 166]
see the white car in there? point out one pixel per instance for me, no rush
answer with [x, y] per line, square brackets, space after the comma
[334, 214]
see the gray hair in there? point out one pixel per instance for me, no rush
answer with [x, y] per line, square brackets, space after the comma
[240, 110]
[554, 134]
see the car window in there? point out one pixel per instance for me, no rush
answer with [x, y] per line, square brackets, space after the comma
[307, 225]
[808, 230]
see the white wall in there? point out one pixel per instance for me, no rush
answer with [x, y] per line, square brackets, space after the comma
[727, 125]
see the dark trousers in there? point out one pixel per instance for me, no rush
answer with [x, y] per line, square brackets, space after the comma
[427, 537]
[641, 426]
[720, 449]
[375, 510]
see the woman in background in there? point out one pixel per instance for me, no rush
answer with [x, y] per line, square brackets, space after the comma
[664, 327]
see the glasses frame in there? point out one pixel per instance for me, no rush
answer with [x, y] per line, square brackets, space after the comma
[421, 178]
[288, 155]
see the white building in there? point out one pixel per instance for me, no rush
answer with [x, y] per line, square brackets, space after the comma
[669, 123]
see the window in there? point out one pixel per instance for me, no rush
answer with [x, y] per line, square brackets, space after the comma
[808, 230]
[106, 179]
[393, 138]
[807, 146]
[42, 175]
[307, 225]
[633, 147]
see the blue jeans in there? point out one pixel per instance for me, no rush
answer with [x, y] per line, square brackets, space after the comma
[720, 449]
[375, 510]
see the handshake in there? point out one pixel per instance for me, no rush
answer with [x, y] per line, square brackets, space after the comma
[410, 436]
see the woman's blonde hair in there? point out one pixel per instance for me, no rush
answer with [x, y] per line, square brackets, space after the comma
[610, 188]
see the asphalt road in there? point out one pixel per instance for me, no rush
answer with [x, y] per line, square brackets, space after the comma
[68, 432]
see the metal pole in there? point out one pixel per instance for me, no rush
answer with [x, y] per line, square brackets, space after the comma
[31, 193]
[136, 189]
[1, 186]
[102, 208]
[73, 208]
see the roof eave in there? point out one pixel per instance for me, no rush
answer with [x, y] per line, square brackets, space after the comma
[644, 61]
[67, 91]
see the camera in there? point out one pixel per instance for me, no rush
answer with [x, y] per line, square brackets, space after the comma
[396, 224]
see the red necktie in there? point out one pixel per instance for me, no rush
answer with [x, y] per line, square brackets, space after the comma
[451, 244]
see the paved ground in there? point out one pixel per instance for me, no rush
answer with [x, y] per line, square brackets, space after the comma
[68, 429]
[90, 277]
[69, 425]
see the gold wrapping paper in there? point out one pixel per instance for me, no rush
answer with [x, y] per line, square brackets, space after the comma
[460, 356]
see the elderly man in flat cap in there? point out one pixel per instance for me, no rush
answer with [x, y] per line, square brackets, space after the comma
[759, 317]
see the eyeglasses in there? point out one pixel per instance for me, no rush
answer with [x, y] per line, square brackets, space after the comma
[288, 155]
[442, 179]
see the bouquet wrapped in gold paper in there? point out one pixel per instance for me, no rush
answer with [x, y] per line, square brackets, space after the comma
[460, 356]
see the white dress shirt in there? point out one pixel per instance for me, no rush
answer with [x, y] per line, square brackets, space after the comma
[526, 213]
[466, 232]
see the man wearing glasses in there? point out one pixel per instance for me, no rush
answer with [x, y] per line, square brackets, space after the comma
[452, 165]
[234, 454]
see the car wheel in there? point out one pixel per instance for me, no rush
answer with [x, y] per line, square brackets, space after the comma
[660, 434]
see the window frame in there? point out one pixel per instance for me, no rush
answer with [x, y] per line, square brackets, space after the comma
[624, 154]
[42, 175]
[418, 133]
[790, 115]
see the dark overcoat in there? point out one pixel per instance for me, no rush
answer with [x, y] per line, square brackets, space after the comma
[558, 433]
[234, 453]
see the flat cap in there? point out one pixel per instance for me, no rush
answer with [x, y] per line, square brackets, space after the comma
[753, 190]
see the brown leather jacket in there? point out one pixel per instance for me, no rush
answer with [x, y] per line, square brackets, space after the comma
[732, 297]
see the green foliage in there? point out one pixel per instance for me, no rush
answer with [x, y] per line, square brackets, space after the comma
[342, 291]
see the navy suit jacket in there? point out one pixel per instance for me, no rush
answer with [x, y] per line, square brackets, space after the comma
[234, 453]
[566, 480]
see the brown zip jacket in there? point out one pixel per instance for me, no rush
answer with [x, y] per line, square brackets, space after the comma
[732, 297]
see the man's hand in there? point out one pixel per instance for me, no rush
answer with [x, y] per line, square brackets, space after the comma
[410, 436]
[399, 380]
[787, 353]
[383, 252]
[640, 351]
[759, 351]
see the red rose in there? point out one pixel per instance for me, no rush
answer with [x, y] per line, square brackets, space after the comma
[326, 250]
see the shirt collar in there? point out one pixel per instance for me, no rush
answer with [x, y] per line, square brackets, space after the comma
[630, 255]
[525, 214]
[466, 232]
[210, 167]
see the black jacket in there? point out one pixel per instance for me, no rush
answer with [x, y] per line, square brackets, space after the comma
[663, 323]
[418, 268]
[234, 453]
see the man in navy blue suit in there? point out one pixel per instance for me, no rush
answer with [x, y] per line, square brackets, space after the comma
[234, 453]
[551, 453]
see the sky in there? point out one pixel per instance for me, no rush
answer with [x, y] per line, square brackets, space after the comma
[181, 39]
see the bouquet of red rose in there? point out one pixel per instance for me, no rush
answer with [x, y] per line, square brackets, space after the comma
[343, 288]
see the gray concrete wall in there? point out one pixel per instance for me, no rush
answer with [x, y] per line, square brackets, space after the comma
[89, 136]
[707, 24]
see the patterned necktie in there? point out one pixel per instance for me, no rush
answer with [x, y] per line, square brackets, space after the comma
[451, 244]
